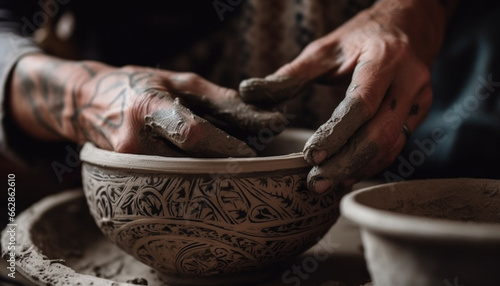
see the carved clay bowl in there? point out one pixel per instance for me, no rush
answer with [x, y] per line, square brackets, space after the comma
[430, 232]
[209, 221]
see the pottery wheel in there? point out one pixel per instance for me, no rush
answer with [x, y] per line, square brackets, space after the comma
[59, 244]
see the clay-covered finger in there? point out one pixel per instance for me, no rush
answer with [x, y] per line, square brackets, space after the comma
[375, 146]
[378, 138]
[249, 118]
[333, 134]
[369, 85]
[322, 57]
[272, 89]
[225, 104]
[351, 158]
[178, 126]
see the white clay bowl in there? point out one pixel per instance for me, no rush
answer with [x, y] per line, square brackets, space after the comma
[209, 221]
[430, 232]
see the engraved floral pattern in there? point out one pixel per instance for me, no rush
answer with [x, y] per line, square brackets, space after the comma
[205, 225]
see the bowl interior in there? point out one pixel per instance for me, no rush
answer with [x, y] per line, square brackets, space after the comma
[463, 200]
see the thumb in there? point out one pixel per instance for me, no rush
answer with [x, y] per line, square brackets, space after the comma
[292, 78]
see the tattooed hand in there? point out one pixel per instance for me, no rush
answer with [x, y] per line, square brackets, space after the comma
[386, 51]
[130, 109]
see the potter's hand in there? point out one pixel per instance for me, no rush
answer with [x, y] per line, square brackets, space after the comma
[130, 109]
[387, 51]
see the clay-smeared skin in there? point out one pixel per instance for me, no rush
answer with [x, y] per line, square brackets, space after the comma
[351, 158]
[330, 137]
[131, 109]
[207, 141]
[246, 117]
[272, 88]
[237, 114]
[386, 51]
[334, 133]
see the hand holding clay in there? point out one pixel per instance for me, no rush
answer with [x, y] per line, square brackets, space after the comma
[387, 51]
[130, 109]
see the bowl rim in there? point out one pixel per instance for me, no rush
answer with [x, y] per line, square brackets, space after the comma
[94, 155]
[416, 227]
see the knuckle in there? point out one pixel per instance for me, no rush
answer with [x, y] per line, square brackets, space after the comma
[175, 125]
[401, 48]
[136, 114]
[150, 101]
[126, 146]
[397, 45]
[423, 74]
[187, 134]
[182, 127]
[392, 48]
[419, 71]
[142, 105]
[183, 133]
[370, 102]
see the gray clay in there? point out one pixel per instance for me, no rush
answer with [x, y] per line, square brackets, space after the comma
[190, 134]
[271, 89]
[333, 134]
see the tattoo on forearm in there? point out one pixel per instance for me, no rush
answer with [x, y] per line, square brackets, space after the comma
[28, 91]
[101, 132]
[45, 90]
[51, 94]
[111, 91]
[120, 99]
[89, 70]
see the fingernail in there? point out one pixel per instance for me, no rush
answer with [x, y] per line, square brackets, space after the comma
[318, 156]
[322, 185]
[314, 156]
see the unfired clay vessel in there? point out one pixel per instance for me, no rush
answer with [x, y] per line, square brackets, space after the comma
[208, 221]
[430, 232]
